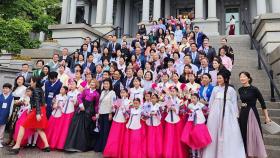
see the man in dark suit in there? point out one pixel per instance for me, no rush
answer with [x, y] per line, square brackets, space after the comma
[138, 39]
[126, 52]
[87, 41]
[85, 52]
[194, 55]
[117, 85]
[24, 72]
[128, 80]
[115, 46]
[65, 57]
[199, 36]
[204, 68]
[108, 44]
[89, 64]
[209, 51]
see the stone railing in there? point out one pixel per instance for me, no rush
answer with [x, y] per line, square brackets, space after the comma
[274, 61]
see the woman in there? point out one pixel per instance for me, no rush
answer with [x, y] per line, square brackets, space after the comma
[18, 92]
[81, 59]
[82, 124]
[223, 122]
[106, 54]
[147, 81]
[36, 119]
[249, 119]
[184, 78]
[142, 30]
[105, 116]
[217, 65]
[206, 89]
[232, 25]
[227, 62]
[75, 60]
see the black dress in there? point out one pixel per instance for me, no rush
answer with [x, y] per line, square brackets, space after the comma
[249, 120]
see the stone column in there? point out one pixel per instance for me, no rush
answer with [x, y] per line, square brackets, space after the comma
[261, 7]
[86, 15]
[126, 17]
[167, 8]
[118, 13]
[93, 14]
[198, 9]
[145, 11]
[99, 11]
[157, 9]
[275, 6]
[212, 9]
[109, 12]
[64, 12]
[73, 7]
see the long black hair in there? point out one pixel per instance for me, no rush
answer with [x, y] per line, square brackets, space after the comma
[226, 76]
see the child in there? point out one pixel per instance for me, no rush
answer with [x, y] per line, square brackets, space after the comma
[173, 126]
[67, 113]
[115, 139]
[195, 133]
[6, 102]
[137, 91]
[154, 129]
[134, 139]
[56, 124]
[22, 114]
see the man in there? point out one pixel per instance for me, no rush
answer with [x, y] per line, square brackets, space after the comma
[38, 71]
[24, 72]
[115, 45]
[184, 44]
[126, 52]
[89, 65]
[96, 56]
[199, 36]
[54, 63]
[108, 44]
[186, 50]
[204, 67]
[208, 50]
[65, 57]
[194, 55]
[85, 52]
[228, 49]
[117, 85]
[188, 61]
[138, 39]
[129, 78]
[52, 88]
[99, 74]
[140, 58]
[87, 41]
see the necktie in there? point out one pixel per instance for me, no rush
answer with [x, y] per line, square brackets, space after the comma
[127, 83]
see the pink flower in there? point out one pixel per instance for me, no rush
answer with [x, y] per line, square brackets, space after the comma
[154, 86]
[183, 86]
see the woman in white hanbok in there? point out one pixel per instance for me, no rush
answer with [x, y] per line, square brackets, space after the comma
[223, 122]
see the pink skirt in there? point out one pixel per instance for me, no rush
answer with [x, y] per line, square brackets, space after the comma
[66, 120]
[154, 141]
[196, 136]
[115, 140]
[172, 141]
[27, 132]
[134, 145]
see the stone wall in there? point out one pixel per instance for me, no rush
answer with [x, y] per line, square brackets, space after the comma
[274, 61]
[8, 75]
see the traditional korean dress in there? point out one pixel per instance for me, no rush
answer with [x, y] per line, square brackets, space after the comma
[225, 132]
[115, 140]
[172, 146]
[249, 121]
[22, 114]
[134, 145]
[195, 133]
[136, 93]
[154, 131]
[82, 125]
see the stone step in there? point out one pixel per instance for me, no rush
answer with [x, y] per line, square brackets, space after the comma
[272, 151]
[273, 140]
[271, 112]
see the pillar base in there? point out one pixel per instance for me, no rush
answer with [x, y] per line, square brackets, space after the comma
[104, 28]
[209, 26]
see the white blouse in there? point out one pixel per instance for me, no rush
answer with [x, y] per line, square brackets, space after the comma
[72, 100]
[119, 113]
[106, 102]
[173, 116]
[134, 121]
[19, 91]
[197, 110]
[136, 93]
[60, 102]
[155, 116]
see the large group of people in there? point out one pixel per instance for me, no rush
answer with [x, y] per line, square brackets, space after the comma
[165, 94]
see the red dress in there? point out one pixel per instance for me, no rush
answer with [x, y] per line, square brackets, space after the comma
[31, 121]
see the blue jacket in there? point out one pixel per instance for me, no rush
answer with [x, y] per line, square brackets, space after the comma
[51, 91]
[199, 39]
[208, 92]
[5, 111]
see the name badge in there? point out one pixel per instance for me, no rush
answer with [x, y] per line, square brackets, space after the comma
[4, 105]
[51, 94]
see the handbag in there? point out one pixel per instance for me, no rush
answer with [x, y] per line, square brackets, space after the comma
[271, 127]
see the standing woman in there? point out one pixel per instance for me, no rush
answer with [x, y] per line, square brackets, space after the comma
[217, 65]
[18, 92]
[249, 119]
[105, 116]
[206, 89]
[80, 128]
[232, 25]
[223, 122]
[36, 119]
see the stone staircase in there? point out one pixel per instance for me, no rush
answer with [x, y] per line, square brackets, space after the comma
[246, 60]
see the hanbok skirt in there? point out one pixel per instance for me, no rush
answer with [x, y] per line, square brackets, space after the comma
[10, 127]
[134, 145]
[196, 136]
[27, 132]
[115, 140]
[154, 141]
[31, 121]
[231, 30]
[173, 147]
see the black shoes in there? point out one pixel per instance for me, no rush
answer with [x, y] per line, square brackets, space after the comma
[13, 151]
[46, 149]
